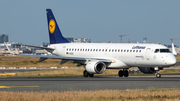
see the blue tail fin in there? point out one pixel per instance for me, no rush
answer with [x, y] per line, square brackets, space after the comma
[55, 35]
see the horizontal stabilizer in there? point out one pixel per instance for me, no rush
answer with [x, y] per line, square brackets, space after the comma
[46, 48]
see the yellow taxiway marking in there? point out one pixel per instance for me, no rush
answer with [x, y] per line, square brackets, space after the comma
[16, 86]
[4, 74]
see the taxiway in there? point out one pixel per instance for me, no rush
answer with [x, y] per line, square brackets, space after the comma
[81, 83]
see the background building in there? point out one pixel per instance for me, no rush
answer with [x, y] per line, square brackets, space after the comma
[70, 39]
[45, 44]
[3, 38]
[82, 40]
[145, 40]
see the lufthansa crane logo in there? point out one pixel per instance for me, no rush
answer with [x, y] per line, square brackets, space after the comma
[52, 26]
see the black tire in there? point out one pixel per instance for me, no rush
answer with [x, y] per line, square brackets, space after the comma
[158, 75]
[126, 73]
[85, 74]
[120, 73]
[91, 75]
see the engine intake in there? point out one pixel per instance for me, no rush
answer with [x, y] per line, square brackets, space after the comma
[95, 67]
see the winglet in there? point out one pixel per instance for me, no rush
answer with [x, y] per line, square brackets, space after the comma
[16, 53]
[173, 50]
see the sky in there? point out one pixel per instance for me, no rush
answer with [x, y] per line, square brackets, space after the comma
[25, 21]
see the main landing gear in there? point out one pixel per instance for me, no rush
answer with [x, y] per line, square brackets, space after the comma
[124, 73]
[86, 74]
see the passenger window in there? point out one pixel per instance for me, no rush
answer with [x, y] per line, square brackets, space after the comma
[75, 49]
[118, 50]
[70, 49]
[99, 49]
[136, 50]
[106, 50]
[110, 50]
[127, 50]
[113, 50]
[130, 50]
[133, 50]
[103, 50]
[121, 50]
[139, 50]
[156, 51]
[124, 50]
[67, 49]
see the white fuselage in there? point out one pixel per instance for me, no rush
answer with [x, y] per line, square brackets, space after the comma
[122, 55]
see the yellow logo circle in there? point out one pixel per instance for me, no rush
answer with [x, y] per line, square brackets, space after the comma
[52, 26]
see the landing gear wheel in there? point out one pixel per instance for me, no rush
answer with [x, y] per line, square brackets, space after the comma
[85, 73]
[91, 75]
[126, 73]
[158, 75]
[120, 73]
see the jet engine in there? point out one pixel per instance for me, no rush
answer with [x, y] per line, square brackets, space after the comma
[95, 67]
[148, 69]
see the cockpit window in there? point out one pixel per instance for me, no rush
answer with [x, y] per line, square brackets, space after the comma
[156, 51]
[162, 51]
[165, 51]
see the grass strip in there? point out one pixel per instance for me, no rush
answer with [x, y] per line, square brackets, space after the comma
[20, 61]
[98, 95]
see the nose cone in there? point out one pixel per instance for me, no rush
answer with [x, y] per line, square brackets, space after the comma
[171, 61]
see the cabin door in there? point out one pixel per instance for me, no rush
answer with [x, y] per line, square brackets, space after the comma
[148, 53]
[63, 50]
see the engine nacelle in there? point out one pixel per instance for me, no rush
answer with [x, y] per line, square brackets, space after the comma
[148, 69]
[95, 67]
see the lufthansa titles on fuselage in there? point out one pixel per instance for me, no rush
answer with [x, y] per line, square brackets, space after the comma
[138, 47]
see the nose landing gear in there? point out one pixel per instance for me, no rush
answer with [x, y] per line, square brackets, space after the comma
[158, 75]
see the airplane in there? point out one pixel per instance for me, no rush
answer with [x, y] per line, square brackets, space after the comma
[97, 57]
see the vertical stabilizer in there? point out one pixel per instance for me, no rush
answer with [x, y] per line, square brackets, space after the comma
[173, 50]
[55, 35]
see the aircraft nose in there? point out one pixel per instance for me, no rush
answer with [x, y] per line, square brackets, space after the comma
[172, 61]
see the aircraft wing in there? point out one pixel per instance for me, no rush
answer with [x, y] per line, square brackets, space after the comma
[43, 57]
